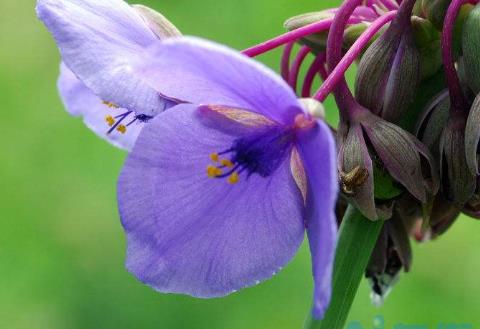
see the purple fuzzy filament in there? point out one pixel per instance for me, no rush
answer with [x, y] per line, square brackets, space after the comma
[457, 99]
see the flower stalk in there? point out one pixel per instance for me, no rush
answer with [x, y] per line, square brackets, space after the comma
[357, 238]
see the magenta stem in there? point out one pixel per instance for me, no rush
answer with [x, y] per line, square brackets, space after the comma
[294, 35]
[457, 98]
[339, 72]
[312, 72]
[347, 104]
[285, 63]
[296, 65]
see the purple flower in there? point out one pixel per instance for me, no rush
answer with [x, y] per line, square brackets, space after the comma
[216, 194]
[102, 44]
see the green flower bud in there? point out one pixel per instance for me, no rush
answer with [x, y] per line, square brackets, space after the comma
[435, 11]
[318, 41]
[427, 39]
[389, 73]
[471, 49]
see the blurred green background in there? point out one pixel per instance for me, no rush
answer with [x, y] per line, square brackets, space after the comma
[61, 243]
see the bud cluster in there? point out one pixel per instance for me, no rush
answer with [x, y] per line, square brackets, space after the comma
[408, 138]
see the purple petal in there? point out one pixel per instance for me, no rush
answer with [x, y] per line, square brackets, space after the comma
[317, 149]
[102, 42]
[200, 236]
[81, 101]
[202, 72]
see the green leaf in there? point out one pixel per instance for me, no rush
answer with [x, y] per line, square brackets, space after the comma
[358, 237]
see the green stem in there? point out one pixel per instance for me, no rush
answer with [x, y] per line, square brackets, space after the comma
[358, 237]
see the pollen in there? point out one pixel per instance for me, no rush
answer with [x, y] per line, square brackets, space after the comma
[227, 163]
[213, 171]
[111, 105]
[233, 178]
[122, 129]
[110, 120]
[214, 157]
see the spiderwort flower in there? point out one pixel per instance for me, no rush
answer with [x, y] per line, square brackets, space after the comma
[102, 43]
[217, 193]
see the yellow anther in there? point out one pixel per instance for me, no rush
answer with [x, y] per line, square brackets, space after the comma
[110, 105]
[122, 129]
[214, 157]
[233, 178]
[213, 171]
[227, 163]
[110, 120]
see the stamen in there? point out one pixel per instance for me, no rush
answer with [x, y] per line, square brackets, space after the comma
[122, 129]
[110, 120]
[214, 157]
[233, 178]
[110, 105]
[213, 171]
[227, 163]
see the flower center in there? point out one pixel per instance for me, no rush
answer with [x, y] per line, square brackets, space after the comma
[260, 153]
[117, 122]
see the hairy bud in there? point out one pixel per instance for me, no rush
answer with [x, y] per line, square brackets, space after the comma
[471, 49]
[389, 73]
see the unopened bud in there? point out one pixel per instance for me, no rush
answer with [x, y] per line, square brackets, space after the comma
[458, 181]
[427, 39]
[318, 41]
[471, 49]
[389, 73]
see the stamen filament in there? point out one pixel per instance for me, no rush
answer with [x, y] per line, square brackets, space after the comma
[119, 121]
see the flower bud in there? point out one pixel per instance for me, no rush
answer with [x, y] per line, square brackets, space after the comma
[472, 136]
[435, 11]
[391, 254]
[427, 39]
[159, 25]
[458, 182]
[442, 215]
[363, 169]
[318, 41]
[389, 73]
[431, 122]
[471, 49]
[405, 158]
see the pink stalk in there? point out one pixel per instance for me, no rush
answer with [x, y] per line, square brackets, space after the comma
[297, 64]
[457, 98]
[338, 73]
[314, 69]
[294, 35]
[285, 63]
